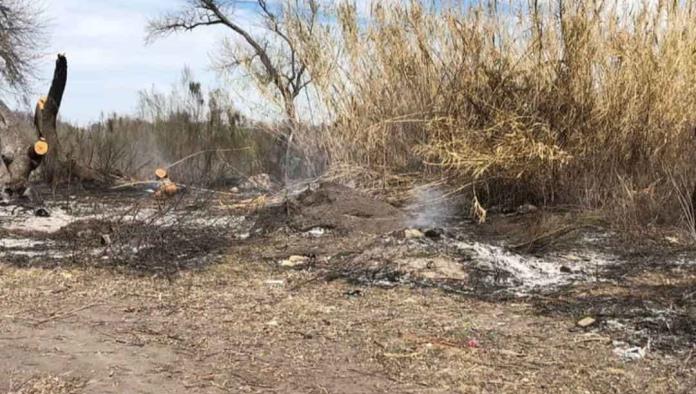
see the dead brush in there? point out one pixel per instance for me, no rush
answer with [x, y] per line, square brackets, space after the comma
[685, 194]
[563, 102]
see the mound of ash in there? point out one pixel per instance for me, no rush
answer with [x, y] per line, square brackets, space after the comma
[334, 207]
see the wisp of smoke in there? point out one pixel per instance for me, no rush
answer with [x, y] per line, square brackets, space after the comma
[430, 207]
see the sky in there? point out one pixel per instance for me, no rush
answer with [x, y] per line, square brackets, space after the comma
[108, 59]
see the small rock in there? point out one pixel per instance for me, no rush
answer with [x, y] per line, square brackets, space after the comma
[566, 270]
[629, 353]
[586, 322]
[234, 190]
[615, 325]
[272, 323]
[316, 232]
[294, 261]
[413, 233]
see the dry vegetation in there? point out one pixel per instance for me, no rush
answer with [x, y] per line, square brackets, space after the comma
[588, 103]
[21, 36]
[187, 120]
[584, 103]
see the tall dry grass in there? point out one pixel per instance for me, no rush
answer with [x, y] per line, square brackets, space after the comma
[586, 102]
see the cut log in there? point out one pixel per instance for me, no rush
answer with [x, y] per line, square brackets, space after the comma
[22, 150]
[161, 173]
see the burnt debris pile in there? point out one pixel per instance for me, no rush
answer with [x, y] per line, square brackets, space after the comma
[330, 207]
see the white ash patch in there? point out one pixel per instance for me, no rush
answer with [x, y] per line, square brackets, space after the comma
[19, 243]
[28, 248]
[200, 219]
[51, 254]
[524, 274]
[26, 221]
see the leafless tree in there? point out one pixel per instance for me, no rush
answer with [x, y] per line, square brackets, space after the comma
[271, 58]
[286, 71]
[21, 39]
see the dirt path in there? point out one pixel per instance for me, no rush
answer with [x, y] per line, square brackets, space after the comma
[241, 327]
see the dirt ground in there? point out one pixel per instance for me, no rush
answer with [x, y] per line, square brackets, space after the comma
[167, 305]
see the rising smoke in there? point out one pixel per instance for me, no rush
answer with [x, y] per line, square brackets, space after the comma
[430, 207]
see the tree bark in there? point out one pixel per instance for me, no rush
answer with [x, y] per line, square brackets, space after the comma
[16, 150]
[57, 164]
[17, 141]
[46, 117]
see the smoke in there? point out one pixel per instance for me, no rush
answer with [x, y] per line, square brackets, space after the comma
[430, 207]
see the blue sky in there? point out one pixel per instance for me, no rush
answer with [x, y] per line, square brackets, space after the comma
[109, 61]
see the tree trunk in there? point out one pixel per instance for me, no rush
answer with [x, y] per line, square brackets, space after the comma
[17, 150]
[20, 147]
[46, 116]
[57, 164]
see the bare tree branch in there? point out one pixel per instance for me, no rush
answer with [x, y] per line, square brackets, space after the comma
[285, 72]
[21, 40]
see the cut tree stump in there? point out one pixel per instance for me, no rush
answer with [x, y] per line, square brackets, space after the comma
[23, 150]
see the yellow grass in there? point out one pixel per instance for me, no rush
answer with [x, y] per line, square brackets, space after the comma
[582, 102]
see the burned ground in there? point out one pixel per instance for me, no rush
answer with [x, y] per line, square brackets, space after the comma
[332, 207]
[125, 232]
[216, 293]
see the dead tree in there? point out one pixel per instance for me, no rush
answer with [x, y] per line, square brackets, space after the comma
[287, 72]
[46, 117]
[23, 150]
